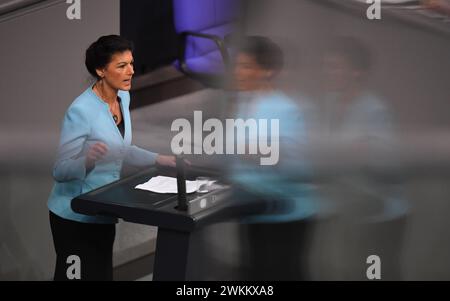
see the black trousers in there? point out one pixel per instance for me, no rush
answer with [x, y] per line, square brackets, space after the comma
[92, 243]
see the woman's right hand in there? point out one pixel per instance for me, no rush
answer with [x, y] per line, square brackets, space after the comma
[95, 153]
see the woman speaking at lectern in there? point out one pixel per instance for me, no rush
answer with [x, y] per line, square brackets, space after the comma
[95, 143]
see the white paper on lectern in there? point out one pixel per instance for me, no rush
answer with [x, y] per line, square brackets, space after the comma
[161, 184]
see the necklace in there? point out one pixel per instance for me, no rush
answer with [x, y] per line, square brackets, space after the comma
[115, 117]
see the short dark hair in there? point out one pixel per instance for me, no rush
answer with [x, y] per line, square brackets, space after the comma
[100, 53]
[266, 53]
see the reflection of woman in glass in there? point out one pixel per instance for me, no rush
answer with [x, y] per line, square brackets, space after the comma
[359, 121]
[95, 144]
[349, 107]
[277, 229]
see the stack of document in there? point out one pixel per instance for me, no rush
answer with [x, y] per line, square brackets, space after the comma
[163, 184]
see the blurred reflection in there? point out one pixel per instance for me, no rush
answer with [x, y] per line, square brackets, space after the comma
[279, 209]
[367, 213]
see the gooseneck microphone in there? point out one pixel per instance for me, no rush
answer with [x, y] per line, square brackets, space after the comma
[181, 184]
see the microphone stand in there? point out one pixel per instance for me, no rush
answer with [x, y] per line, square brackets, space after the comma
[181, 184]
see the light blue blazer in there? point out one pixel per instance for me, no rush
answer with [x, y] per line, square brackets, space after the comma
[285, 198]
[86, 122]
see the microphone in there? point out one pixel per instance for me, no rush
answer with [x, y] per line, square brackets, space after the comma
[181, 184]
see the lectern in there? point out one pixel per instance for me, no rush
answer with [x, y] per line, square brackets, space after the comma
[176, 216]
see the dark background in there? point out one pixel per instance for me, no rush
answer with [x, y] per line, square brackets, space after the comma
[149, 24]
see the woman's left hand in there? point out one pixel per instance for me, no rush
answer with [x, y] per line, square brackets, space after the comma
[166, 161]
[169, 161]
